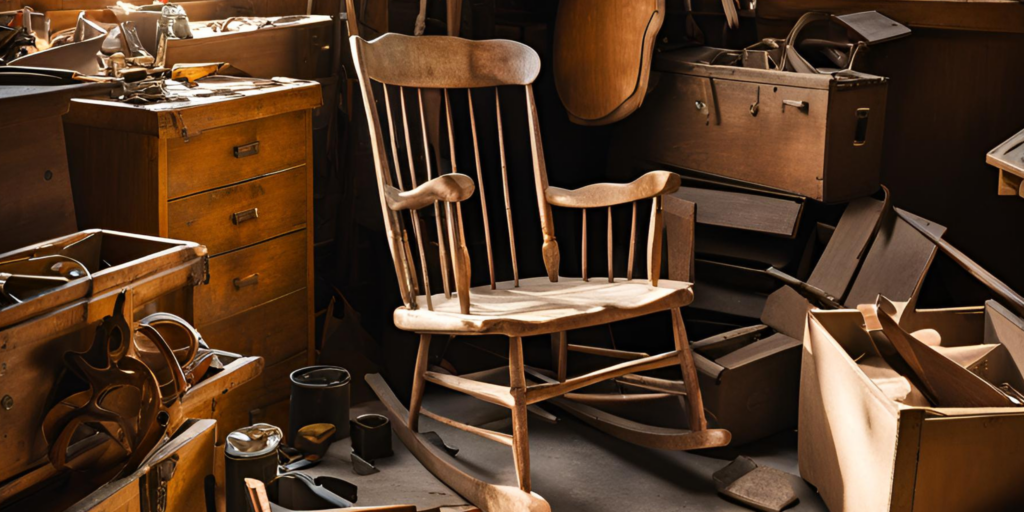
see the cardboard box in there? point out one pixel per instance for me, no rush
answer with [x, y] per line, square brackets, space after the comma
[865, 452]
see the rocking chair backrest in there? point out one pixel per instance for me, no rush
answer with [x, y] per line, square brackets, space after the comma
[415, 75]
[435, 62]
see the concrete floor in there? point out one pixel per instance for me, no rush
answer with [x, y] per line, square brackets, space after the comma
[574, 467]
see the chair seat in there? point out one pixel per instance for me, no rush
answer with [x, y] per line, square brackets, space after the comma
[539, 306]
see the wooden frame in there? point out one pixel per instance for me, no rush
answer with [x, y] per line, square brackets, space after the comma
[550, 305]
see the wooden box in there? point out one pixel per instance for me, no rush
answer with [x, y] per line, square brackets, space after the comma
[1008, 157]
[298, 50]
[179, 478]
[160, 275]
[749, 380]
[819, 136]
[234, 174]
[865, 452]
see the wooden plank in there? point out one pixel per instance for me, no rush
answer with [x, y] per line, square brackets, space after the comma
[896, 264]
[749, 212]
[846, 247]
[760, 349]
[38, 203]
[786, 312]
[679, 238]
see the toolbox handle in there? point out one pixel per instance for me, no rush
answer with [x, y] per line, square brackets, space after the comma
[246, 281]
[860, 134]
[797, 104]
[245, 215]
[250, 149]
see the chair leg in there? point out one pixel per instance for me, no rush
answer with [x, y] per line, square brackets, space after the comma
[520, 434]
[418, 383]
[560, 354]
[695, 403]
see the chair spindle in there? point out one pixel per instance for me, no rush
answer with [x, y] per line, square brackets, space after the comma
[460, 255]
[415, 214]
[586, 276]
[442, 252]
[632, 246]
[654, 242]
[611, 266]
[408, 261]
[480, 189]
[504, 182]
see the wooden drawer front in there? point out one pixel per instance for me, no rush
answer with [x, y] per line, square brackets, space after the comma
[249, 277]
[243, 214]
[209, 159]
[276, 330]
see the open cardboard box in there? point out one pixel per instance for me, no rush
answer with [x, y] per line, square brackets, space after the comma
[866, 452]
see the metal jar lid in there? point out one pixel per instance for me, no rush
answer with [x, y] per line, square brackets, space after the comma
[255, 441]
[321, 376]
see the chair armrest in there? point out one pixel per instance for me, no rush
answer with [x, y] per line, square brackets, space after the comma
[599, 195]
[450, 188]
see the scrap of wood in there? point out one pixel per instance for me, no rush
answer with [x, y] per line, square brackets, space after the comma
[746, 211]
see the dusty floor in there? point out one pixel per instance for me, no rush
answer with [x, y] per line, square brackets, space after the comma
[575, 467]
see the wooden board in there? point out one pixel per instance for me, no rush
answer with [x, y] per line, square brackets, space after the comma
[896, 264]
[847, 247]
[36, 166]
[679, 238]
[745, 211]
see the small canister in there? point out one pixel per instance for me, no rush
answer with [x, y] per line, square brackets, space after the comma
[371, 437]
[320, 394]
[249, 452]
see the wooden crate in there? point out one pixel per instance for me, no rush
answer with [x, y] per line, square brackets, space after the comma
[818, 136]
[160, 275]
[153, 488]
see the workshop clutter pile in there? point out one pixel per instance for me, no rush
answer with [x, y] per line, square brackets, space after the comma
[175, 176]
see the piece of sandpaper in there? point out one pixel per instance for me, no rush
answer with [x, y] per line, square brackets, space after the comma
[758, 487]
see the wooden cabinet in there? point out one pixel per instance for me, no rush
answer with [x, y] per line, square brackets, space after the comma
[233, 174]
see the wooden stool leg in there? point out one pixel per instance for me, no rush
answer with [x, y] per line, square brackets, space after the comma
[520, 435]
[560, 354]
[695, 404]
[418, 383]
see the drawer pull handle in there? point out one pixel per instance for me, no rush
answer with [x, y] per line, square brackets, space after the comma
[245, 215]
[799, 105]
[250, 149]
[860, 134]
[246, 281]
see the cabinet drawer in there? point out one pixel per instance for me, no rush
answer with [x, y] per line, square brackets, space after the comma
[276, 330]
[243, 214]
[227, 155]
[249, 277]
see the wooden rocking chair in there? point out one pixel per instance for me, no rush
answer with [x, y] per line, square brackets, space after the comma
[403, 67]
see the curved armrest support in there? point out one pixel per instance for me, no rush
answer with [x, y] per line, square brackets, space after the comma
[450, 188]
[652, 184]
